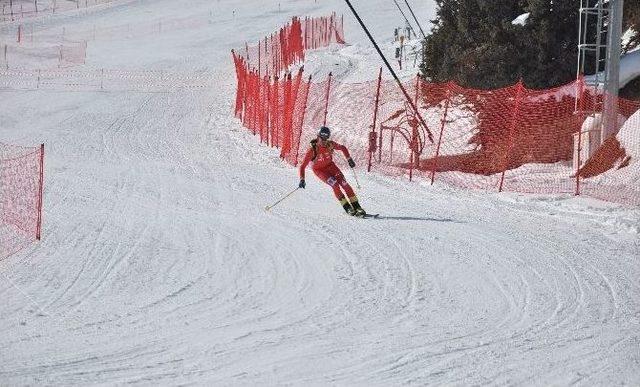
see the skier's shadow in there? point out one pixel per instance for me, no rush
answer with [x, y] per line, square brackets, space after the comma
[415, 218]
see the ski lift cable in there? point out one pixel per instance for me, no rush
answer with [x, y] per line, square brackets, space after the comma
[395, 76]
[405, 18]
[416, 19]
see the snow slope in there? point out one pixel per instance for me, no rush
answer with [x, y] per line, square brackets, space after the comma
[629, 67]
[159, 265]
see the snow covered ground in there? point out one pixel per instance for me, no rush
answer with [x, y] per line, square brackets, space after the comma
[159, 266]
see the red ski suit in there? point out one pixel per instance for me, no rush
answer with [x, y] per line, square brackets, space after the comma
[326, 169]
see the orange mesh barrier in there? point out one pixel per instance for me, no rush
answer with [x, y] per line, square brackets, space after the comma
[277, 52]
[276, 108]
[21, 179]
[510, 139]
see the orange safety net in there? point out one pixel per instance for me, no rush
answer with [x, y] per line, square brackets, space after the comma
[510, 139]
[273, 106]
[277, 52]
[21, 179]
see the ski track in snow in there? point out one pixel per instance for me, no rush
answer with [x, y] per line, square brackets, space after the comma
[160, 266]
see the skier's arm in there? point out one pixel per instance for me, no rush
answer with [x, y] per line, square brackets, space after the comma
[345, 152]
[305, 162]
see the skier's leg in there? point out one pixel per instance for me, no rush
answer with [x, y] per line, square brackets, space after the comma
[333, 183]
[351, 195]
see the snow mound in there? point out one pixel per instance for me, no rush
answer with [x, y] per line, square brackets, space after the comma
[521, 20]
[629, 136]
[629, 67]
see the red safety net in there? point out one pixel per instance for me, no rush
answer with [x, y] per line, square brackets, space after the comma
[277, 52]
[510, 139]
[21, 179]
[273, 108]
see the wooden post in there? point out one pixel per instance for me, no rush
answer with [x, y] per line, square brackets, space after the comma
[304, 110]
[275, 110]
[375, 116]
[414, 129]
[514, 121]
[442, 125]
[40, 192]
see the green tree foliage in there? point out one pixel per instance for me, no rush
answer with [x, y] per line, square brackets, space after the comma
[474, 42]
[632, 20]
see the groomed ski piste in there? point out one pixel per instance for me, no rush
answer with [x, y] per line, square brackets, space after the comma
[159, 265]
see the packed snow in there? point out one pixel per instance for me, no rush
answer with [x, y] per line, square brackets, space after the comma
[159, 265]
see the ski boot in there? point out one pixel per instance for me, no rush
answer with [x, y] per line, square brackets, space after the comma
[347, 207]
[358, 211]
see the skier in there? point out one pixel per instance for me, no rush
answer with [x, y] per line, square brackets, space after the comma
[321, 155]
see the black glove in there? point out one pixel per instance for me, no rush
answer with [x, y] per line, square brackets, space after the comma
[352, 163]
[302, 184]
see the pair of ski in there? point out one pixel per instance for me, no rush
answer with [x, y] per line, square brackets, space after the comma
[366, 216]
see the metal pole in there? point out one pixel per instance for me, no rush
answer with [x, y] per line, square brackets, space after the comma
[395, 76]
[580, 66]
[267, 208]
[326, 104]
[612, 71]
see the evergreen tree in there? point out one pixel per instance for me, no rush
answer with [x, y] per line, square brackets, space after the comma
[552, 36]
[632, 20]
[473, 43]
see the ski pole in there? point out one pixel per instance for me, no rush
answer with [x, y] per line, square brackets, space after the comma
[356, 177]
[267, 208]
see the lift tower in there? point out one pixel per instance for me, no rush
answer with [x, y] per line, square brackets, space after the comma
[599, 51]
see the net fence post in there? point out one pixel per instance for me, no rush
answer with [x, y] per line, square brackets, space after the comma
[40, 193]
[326, 103]
[375, 119]
[514, 120]
[442, 125]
